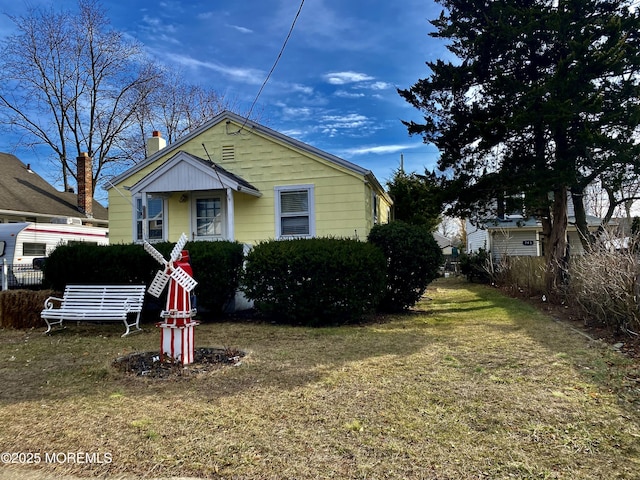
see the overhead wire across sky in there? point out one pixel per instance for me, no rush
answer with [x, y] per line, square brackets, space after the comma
[273, 67]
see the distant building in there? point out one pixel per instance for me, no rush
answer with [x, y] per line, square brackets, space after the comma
[444, 243]
[513, 235]
[26, 197]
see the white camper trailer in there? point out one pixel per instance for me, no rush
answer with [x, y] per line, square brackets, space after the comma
[23, 246]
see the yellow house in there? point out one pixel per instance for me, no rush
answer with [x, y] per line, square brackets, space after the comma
[233, 179]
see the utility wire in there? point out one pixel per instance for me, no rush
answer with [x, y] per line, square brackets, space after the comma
[286, 40]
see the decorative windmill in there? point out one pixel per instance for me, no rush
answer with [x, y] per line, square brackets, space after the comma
[176, 340]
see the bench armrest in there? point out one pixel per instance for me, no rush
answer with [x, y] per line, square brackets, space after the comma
[49, 302]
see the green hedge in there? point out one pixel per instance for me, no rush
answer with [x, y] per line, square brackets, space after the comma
[314, 282]
[84, 263]
[474, 265]
[413, 261]
[216, 267]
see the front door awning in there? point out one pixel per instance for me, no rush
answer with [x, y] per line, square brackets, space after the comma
[186, 172]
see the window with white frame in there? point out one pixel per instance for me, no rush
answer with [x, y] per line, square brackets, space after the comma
[295, 211]
[209, 217]
[154, 219]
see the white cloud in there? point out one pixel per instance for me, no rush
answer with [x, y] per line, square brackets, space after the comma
[296, 113]
[293, 133]
[345, 94]
[380, 149]
[380, 85]
[246, 75]
[155, 24]
[240, 29]
[334, 122]
[342, 78]
[297, 87]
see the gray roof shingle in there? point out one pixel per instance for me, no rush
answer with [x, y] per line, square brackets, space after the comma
[29, 194]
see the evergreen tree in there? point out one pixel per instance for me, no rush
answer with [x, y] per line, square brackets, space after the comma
[542, 100]
[416, 198]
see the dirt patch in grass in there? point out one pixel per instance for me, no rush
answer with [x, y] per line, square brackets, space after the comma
[151, 365]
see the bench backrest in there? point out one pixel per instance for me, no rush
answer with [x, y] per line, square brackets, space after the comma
[104, 297]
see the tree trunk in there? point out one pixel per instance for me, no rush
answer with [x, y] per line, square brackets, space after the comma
[556, 257]
[586, 238]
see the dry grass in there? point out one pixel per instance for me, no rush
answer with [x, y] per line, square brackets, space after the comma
[469, 385]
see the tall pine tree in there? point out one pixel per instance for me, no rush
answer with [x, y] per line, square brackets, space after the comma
[542, 99]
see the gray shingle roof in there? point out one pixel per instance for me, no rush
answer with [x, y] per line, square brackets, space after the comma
[29, 194]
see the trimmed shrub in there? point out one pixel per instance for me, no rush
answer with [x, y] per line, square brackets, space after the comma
[314, 282]
[476, 266]
[216, 267]
[413, 261]
[84, 263]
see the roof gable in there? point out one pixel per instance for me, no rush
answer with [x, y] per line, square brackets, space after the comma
[442, 241]
[233, 120]
[184, 172]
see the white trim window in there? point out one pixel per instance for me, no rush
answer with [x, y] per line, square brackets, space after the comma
[153, 229]
[209, 217]
[295, 211]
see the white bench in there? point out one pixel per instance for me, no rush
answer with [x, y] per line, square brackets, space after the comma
[96, 303]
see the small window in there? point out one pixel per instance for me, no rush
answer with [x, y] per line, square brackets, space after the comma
[3, 246]
[155, 219]
[34, 249]
[294, 211]
[209, 219]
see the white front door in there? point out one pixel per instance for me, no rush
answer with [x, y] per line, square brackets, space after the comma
[209, 218]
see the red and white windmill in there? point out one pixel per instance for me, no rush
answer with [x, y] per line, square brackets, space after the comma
[176, 339]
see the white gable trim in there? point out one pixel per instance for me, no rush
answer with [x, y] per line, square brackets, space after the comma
[182, 172]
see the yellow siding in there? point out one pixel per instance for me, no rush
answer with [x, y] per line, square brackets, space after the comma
[120, 216]
[178, 218]
[342, 198]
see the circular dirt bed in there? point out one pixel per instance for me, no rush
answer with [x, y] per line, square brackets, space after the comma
[148, 364]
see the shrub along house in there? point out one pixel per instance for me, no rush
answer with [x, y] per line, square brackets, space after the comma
[237, 180]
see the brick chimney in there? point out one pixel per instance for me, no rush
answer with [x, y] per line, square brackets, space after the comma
[85, 184]
[155, 143]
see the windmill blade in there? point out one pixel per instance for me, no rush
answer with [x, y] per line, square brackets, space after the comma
[158, 284]
[154, 253]
[183, 279]
[177, 249]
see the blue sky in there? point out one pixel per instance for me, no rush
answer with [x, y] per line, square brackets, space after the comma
[334, 86]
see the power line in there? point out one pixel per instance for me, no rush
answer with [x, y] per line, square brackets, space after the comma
[286, 40]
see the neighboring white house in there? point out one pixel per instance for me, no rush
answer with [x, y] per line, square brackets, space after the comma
[444, 243]
[515, 235]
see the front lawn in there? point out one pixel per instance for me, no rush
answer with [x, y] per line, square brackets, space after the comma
[469, 385]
